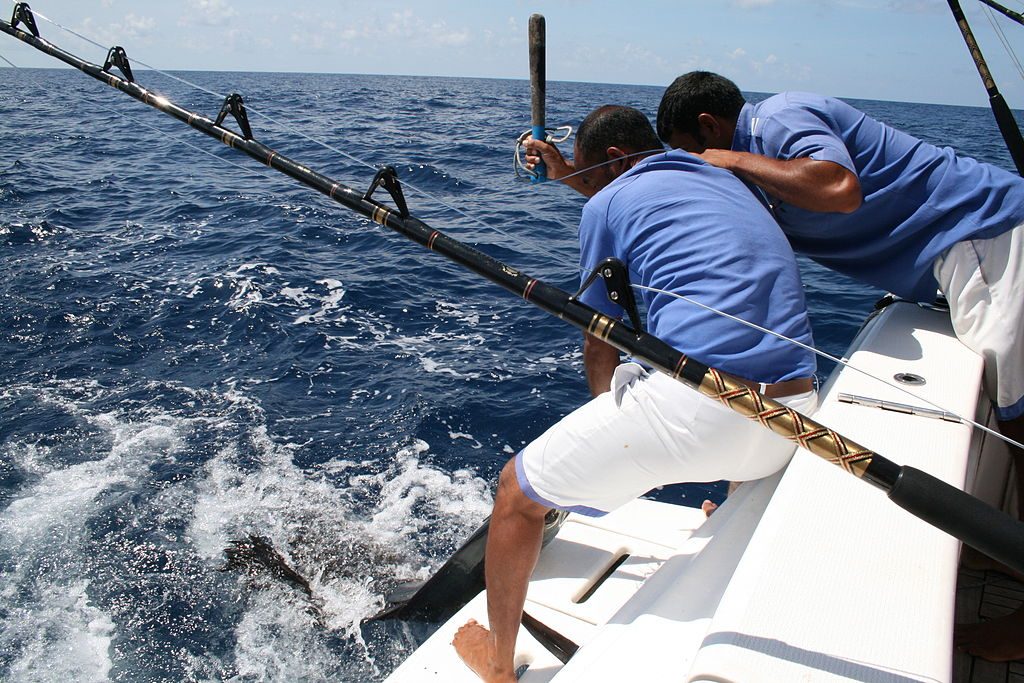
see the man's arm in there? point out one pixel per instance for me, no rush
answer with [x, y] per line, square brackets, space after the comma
[599, 360]
[805, 183]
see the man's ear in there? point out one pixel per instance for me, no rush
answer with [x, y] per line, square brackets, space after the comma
[709, 125]
[618, 158]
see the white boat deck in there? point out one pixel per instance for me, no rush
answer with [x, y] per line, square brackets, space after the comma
[809, 575]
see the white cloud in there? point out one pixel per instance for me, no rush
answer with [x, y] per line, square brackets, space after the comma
[133, 26]
[737, 53]
[130, 27]
[406, 27]
[642, 56]
[207, 13]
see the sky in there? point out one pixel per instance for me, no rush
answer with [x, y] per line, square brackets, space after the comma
[906, 50]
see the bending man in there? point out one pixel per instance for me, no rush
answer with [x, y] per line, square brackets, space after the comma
[890, 210]
[683, 227]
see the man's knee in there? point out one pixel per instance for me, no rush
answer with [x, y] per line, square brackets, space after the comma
[510, 493]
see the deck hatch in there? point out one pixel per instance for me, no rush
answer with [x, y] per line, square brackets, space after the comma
[622, 557]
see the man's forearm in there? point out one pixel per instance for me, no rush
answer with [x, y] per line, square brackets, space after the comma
[805, 183]
[599, 360]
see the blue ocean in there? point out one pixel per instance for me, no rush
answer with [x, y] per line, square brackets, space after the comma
[195, 349]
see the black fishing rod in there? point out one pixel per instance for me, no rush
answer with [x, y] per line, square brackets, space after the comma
[1006, 12]
[1004, 117]
[974, 522]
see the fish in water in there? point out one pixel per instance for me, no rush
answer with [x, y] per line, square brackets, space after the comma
[310, 555]
[254, 552]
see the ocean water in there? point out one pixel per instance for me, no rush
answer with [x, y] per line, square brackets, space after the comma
[195, 349]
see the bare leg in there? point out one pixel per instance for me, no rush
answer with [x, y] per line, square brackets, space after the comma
[513, 545]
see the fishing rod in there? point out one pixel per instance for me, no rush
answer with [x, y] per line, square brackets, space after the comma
[1006, 12]
[1004, 117]
[944, 506]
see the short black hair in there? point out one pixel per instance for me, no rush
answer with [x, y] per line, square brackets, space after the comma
[614, 125]
[695, 93]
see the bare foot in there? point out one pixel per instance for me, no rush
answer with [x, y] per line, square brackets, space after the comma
[474, 646]
[997, 640]
[708, 507]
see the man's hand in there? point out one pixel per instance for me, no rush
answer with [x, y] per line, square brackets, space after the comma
[722, 158]
[804, 183]
[557, 166]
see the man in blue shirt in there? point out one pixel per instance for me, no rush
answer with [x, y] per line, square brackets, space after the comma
[890, 210]
[684, 229]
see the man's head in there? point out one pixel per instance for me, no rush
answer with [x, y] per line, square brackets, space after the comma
[699, 111]
[612, 133]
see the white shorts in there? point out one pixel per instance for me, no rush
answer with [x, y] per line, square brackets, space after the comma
[983, 281]
[648, 431]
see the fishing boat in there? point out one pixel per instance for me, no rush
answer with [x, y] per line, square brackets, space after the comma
[797, 577]
[805, 575]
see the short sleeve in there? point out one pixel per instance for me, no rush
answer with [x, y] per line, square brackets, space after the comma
[596, 244]
[795, 133]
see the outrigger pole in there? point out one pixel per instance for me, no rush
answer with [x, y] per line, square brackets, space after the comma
[1004, 117]
[957, 513]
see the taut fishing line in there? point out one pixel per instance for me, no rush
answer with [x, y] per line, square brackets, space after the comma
[998, 29]
[938, 503]
[529, 246]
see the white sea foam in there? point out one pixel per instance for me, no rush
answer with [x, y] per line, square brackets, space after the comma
[469, 437]
[297, 295]
[329, 302]
[53, 631]
[311, 521]
[53, 506]
[62, 637]
[353, 526]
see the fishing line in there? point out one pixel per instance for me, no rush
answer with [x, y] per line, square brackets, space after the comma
[938, 503]
[255, 171]
[823, 354]
[1002, 39]
[840, 361]
[281, 125]
[533, 246]
[528, 246]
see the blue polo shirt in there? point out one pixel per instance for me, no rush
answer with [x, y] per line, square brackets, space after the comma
[919, 199]
[684, 226]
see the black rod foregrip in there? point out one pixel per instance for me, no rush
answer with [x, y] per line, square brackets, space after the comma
[961, 515]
